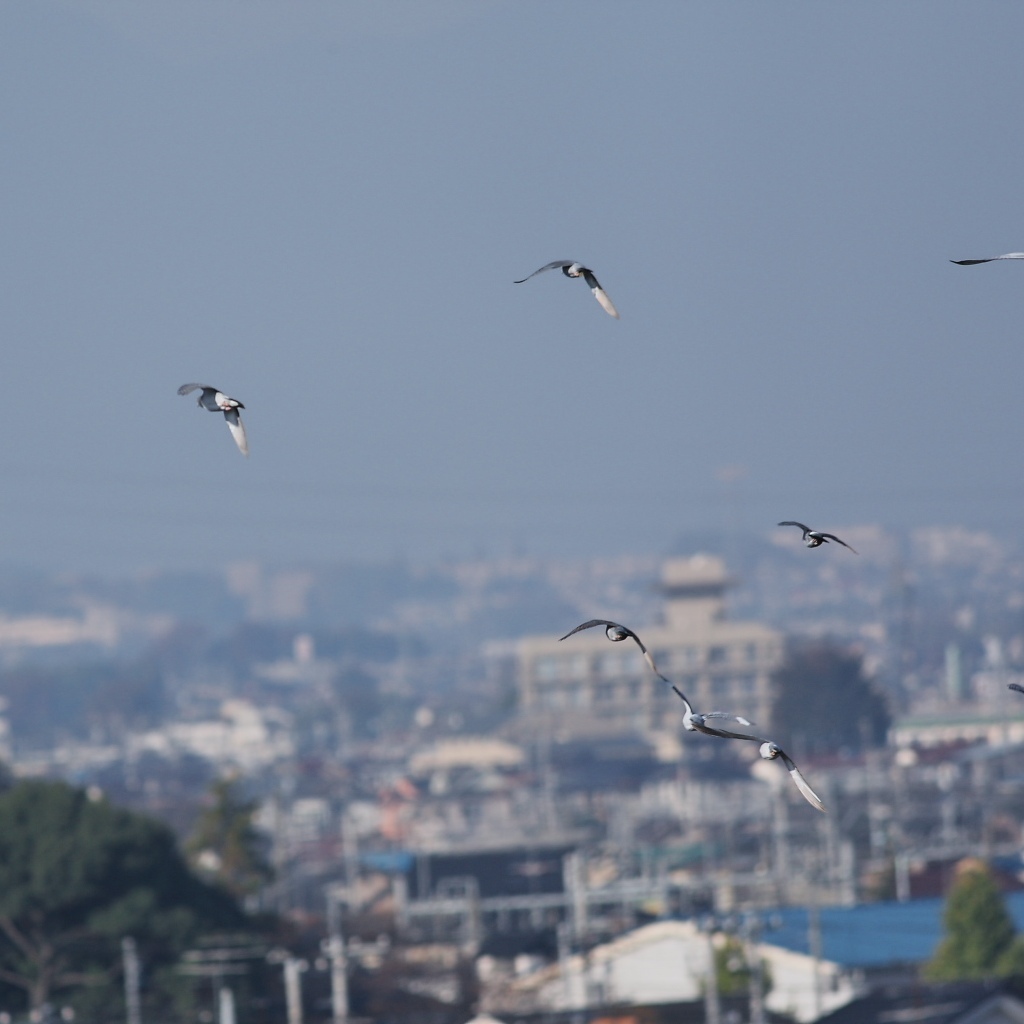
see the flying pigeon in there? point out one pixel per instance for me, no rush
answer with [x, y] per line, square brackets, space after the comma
[767, 749]
[814, 538]
[617, 632]
[571, 269]
[694, 722]
[217, 401]
[990, 259]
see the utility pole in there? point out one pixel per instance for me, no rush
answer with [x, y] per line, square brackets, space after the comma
[712, 1004]
[225, 1006]
[335, 949]
[753, 934]
[293, 968]
[132, 977]
[814, 945]
[901, 863]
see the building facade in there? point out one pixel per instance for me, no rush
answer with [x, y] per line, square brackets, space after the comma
[587, 685]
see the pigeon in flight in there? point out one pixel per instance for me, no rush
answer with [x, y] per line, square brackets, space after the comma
[768, 750]
[217, 401]
[990, 259]
[617, 632]
[571, 269]
[694, 722]
[814, 538]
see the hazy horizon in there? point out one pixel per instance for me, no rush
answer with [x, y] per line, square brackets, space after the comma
[321, 208]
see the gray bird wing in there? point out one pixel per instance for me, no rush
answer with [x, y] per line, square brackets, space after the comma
[738, 719]
[832, 536]
[590, 623]
[599, 293]
[728, 734]
[607, 622]
[682, 696]
[1015, 686]
[793, 522]
[187, 389]
[801, 783]
[990, 259]
[237, 429]
[650, 661]
[547, 266]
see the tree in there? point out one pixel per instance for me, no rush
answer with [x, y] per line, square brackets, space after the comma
[76, 876]
[225, 846]
[980, 941]
[732, 969]
[824, 702]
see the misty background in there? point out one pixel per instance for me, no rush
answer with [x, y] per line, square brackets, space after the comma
[320, 208]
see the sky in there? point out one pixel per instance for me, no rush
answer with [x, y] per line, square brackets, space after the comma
[320, 206]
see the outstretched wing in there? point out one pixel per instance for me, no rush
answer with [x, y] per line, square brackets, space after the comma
[547, 266]
[237, 429]
[738, 719]
[832, 536]
[793, 522]
[1015, 686]
[618, 625]
[590, 623]
[599, 293]
[801, 783]
[187, 389]
[990, 259]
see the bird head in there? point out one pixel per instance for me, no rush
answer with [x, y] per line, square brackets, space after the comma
[769, 751]
[616, 633]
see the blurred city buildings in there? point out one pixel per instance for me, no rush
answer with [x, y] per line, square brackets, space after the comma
[489, 809]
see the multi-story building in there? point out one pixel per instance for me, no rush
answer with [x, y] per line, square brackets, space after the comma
[585, 685]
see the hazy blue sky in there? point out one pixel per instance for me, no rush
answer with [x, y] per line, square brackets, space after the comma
[320, 207]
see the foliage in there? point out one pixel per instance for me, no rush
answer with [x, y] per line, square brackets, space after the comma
[732, 969]
[823, 702]
[226, 847]
[76, 876]
[980, 937]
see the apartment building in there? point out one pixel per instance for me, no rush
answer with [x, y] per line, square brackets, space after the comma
[586, 685]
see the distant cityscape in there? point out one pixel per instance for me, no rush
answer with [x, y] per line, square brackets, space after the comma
[442, 782]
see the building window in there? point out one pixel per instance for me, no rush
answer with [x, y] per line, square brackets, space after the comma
[576, 666]
[684, 657]
[744, 686]
[546, 668]
[717, 655]
[612, 665]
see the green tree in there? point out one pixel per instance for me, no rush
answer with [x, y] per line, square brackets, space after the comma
[732, 969]
[225, 846]
[980, 941]
[824, 702]
[76, 876]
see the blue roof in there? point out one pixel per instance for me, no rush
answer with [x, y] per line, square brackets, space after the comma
[874, 934]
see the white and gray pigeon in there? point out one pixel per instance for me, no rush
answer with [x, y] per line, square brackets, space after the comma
[990, 259]
[571, 269]
[815, 538]
[217, 401]
[769, 750]
[616, 632]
